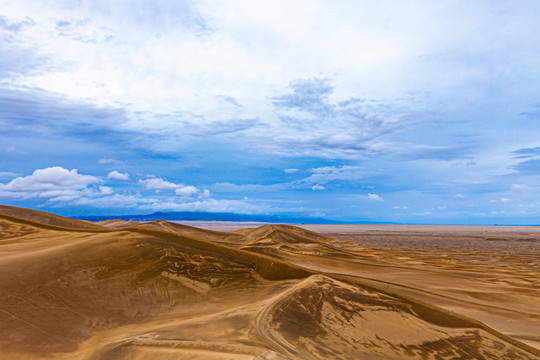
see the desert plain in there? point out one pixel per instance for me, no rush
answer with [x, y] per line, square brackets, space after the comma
[71, 289]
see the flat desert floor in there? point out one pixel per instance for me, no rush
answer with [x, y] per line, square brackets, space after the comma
[72, 289]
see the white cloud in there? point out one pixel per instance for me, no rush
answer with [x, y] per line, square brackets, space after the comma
[505, 200]
[7, 174]
[109, 161]
[105, 190]
[230, 46]
[118, 175]
[374, 197]
[59, 186]
[290, 171]
[425, 213]
[330, 173]
[60, 195]
[143, 203]
[206, 193]
[186, 190]
[159, 184]
[230, 187]
[460, 196]
[211, 205]
[49, 182]
[519, 187]
[113, 201]
[317, 187]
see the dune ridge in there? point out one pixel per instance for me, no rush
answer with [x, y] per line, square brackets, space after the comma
[47, 218]
[168, 291]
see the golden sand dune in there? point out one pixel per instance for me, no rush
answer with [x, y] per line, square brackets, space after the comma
[193, 232]
[46, 218]
[166, 291]
[117, 223]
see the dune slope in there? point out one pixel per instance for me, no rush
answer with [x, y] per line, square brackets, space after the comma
[46, 218]
[167, 291]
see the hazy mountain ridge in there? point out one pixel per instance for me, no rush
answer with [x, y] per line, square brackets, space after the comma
[214, 216]
[211, 216]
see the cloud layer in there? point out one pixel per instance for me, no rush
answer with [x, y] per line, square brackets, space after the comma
[350, 110]
[118, 175]
[67, 187]
[54, 182]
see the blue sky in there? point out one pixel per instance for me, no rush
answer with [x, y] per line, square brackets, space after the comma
[398, 111]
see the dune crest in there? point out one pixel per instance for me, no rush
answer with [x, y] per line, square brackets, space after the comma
[46, 218]
[117, 223]
[162, 290]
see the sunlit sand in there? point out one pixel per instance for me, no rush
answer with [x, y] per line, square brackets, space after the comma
[72, 289]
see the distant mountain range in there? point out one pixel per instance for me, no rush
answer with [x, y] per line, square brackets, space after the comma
[211, 216]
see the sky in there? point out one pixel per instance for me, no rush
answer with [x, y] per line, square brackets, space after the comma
[424, 112]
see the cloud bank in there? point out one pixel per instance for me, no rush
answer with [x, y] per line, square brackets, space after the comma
[414, 103]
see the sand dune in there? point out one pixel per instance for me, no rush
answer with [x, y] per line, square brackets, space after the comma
[193, 231]
[166, 291]
[46, 218]
[117, 223]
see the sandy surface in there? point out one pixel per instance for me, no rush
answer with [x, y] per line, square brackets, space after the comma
[159, 290]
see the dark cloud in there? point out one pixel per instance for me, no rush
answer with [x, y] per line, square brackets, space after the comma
[526, 152]
[60, 131]
[529, 167]
[63, 23]
[163, 15]
[230, 126]
[16, 61]
[438, 153]
[535, 114]
[32, 105]
[351, 101]
[307, 95]
[15, 58]
[232, 100]
[13, 25]
[201, 127]
[313, 125]
[36, 111]
[198, 25]
[48, 130]
[76, 30]
[321, 142]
